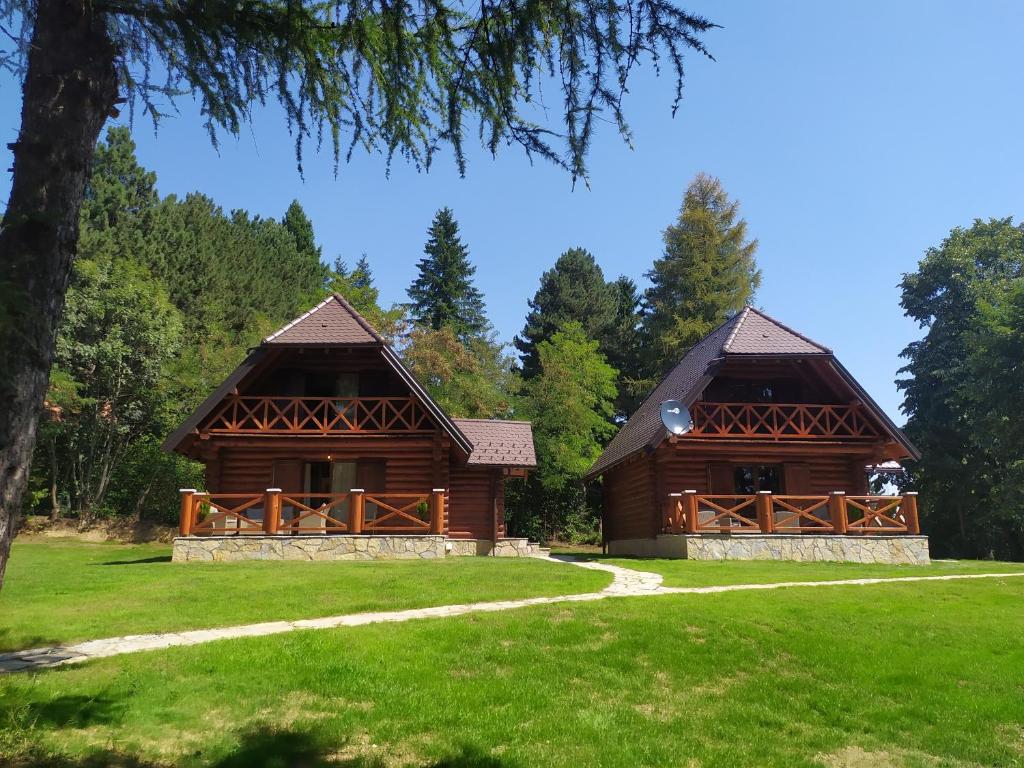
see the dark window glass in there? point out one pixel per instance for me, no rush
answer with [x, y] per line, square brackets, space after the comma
[751, 478]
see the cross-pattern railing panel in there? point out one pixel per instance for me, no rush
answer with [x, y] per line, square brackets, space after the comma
[314, 513]
[876, 514]
[779, 421]
[225, 514]
[726, 514]
[801, 514]
[244, 415]
[397, 513]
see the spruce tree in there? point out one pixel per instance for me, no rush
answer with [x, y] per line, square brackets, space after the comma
[443, 296]
[301, 228]
[707, 273]
[573, 290]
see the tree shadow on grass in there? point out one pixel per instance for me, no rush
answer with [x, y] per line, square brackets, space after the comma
[306, 749]
[259, 747]
[140, 561]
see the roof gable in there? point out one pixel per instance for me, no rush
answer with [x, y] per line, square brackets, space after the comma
[332, 321]
[749, 332]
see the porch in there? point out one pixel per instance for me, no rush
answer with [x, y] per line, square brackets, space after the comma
[356, 525]
[769, 513]
[274, 512]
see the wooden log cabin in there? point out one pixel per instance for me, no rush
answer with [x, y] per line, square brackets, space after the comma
[323, 431]
[781, 440]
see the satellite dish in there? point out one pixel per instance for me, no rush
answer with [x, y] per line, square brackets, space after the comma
[676, 417]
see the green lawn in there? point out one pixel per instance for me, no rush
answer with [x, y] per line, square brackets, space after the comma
[697, 573]
[66, 590]
[915, 675]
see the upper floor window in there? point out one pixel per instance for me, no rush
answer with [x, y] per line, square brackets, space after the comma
[726, 390]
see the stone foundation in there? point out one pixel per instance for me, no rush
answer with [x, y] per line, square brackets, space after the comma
[320, 547]
[890, 550]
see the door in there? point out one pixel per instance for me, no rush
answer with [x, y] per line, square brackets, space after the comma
[371, 476]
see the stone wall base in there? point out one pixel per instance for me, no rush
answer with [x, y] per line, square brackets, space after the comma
[320, 547]
[894, 550]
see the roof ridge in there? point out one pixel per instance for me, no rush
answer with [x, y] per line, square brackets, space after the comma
[297, 320]
[740, 319]
[499, 421]
[785, 327]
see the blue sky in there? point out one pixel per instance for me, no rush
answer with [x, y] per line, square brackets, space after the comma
[855, 136]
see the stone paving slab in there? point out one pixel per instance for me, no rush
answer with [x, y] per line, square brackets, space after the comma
[625, 583]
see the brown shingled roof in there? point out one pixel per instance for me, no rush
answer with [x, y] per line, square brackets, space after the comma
[750, 332]
[499, 443]
[331, 322]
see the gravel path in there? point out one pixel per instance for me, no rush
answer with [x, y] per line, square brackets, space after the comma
[625, 583]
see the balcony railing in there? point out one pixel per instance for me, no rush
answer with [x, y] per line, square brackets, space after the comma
[779, 421]
[274, 512]
[249, 415]
[765, 512]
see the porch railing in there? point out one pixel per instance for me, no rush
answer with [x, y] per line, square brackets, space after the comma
[765, 512]
[274, 512]
[249, 415]
[779, 421]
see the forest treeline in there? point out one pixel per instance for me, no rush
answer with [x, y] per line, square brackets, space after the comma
[168, 293]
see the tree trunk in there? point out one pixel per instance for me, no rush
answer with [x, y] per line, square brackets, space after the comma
[54, 493]
[70, 88]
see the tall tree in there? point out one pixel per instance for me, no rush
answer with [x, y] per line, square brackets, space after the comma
[572, 291]
[706, 274]
[963, 390]
[443, 294]
[571, 403]
[394, 77]
[469, 379]
[623, 345]
[301, 229]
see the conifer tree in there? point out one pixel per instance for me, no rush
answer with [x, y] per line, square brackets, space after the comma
[706, 274]
[572, 291]
[443, 295]
[301, 228]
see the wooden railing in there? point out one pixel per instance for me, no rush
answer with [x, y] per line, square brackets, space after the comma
[765, 512]
[779, 421]
[275, 512]
[247, 415]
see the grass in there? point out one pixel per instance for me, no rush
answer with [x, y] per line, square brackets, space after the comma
[914, 675]
[66, 590]
[697, 573]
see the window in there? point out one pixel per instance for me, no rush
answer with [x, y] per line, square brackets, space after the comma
[751, 478]
[727, 390]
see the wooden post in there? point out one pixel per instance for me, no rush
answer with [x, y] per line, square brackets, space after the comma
[837, 511]
[673, 507]
[187, 517]
[765, 516]
[271, 510]
[355, 511]
[690, 509]
[910, 512]
[437, 511]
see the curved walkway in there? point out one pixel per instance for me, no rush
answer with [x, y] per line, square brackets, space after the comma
[625, 583]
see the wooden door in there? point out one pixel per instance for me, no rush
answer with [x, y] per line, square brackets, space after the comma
[371, 476]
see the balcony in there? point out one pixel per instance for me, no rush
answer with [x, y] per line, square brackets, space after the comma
[250, 415]
[780, 421]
